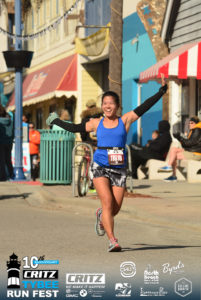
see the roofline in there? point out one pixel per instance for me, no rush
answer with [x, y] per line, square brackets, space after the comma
[166, 20]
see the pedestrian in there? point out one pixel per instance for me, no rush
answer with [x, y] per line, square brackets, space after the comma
[34, 142]
[25, 119]
[64, 116]
[191, 149]
[91, 112]
[157, 148]
[109, 163]
[6, 144]
[155, 135]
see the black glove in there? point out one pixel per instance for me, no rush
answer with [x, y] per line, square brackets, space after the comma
[177, 136]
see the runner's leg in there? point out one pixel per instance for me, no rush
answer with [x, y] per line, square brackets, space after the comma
[118, 193]
[106, 196]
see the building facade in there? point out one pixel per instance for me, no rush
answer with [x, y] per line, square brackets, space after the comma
[182, 26]
[142, 47]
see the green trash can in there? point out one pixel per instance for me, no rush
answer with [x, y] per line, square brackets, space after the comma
[56, 148]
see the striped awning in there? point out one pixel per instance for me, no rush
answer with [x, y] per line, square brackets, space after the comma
[182, 63]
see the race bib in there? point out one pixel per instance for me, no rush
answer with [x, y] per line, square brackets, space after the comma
[115, 157]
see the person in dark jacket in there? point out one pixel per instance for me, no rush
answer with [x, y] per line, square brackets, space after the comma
[91, 112]
[157, 148]
[6, 142]
[191, 148]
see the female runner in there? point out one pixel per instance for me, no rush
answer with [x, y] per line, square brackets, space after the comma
[109, 163]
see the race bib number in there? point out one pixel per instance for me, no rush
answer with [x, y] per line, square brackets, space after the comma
[115, 157]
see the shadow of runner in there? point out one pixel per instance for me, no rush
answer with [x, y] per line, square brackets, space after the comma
[157, 247]
[143, 186]
[6, 197]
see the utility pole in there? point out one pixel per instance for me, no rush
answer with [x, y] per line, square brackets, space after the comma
[115, 51]
[18, 59]
[18, 169]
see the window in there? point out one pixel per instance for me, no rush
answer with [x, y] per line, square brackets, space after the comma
[52, 108]
[184, 103]
[39, 118]
[96, 13]
[57, 7]
[198, 101]
[70, 106]
[11, 21]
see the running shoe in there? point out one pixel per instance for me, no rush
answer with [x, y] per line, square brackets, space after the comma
[99, 229]
[165, 169]
[92, 191]
[114, 246]
[170, 179]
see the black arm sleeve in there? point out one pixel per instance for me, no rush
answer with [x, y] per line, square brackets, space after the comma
[146, 105]
[70, 126]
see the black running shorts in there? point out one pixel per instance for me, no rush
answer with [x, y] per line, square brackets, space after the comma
[117, 176]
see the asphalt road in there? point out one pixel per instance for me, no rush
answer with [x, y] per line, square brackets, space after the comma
[68, 235]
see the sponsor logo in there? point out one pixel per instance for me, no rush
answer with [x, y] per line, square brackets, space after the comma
[83, 293]
[178, 269]
[85, 278]
[183, 287]
[151, 276]
[159, 292]
[123, 290]
[128, 269]
[85, 284]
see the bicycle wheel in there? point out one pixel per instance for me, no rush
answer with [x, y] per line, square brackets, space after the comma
[83, 179]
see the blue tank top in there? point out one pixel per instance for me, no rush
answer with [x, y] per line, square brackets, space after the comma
[110, 137]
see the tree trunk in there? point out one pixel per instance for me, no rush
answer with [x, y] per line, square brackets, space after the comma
[115, 51]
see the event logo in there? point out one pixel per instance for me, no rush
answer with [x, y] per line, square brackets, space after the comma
[178, 269]
[13, 269]
[123, 290]
[128, 269]
[36, 282]
[159, 292]
[183, 287]
[85, 284]
[151, 276]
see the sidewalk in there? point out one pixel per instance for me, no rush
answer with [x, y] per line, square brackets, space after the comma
[157, 202]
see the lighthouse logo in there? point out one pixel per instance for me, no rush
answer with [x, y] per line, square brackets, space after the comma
[13, 269]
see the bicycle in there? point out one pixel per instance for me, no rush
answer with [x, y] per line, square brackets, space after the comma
[83, 182]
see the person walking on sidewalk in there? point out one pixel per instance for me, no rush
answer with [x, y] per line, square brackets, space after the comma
[34, 143]
[109, 164]
[6, 143]
[191, 149]
[94, 112]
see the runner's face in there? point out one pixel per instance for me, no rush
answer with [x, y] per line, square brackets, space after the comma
[109, 106]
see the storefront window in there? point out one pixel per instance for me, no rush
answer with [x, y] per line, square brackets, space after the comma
[70, 106]
[52, 108]
[184, 104]
[198, 108]
[39, 118]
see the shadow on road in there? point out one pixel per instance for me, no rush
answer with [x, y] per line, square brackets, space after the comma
[6, 197]
[143, 186]
[156, 247]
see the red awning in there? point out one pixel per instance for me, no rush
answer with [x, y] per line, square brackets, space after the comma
[56, 79]
[182, 63]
